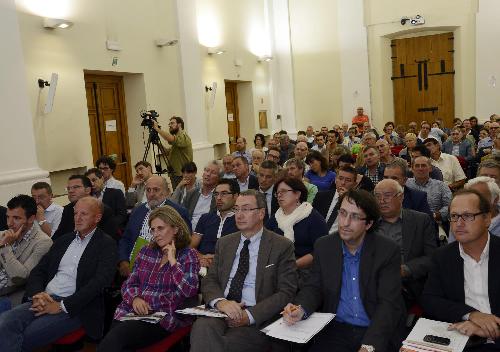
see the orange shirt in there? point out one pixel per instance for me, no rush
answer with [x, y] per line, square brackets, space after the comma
[360, 120]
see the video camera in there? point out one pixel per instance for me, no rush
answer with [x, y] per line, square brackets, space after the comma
[148, 117]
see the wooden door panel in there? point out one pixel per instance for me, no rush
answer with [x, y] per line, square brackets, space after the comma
[425, 67]
[233, 123]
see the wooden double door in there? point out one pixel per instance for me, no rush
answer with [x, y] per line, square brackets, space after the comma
[108, 122]
[423, 78]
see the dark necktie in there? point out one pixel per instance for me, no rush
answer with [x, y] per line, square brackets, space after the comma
[332, 217]
[239, 278]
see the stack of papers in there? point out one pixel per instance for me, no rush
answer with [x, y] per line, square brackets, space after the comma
[202, 311]
[150, 318]
[415, 341]
[300, 332]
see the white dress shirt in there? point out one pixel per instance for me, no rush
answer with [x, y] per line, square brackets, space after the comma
[335, 225]
[53, 215]
[202, 207]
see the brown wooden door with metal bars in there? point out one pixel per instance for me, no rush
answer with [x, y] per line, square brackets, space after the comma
[108, 122]
[422, 76]
[233, 120]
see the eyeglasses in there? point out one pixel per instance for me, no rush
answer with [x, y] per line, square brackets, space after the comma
[104, 168]
[244, 210]
[284, 191]
[467, 217]
[386, 197]
[72, 188]
[354, 216]
[222, 194]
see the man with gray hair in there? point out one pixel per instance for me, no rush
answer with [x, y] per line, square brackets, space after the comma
[490, 168]
[490, 190]
[413, 231]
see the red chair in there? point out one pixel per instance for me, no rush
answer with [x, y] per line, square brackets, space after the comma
[169, 341]
[71, 338]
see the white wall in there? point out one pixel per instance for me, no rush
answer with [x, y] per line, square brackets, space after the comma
[487, 59]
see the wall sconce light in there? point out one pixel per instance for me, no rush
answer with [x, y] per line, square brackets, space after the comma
[213, 50]
[53, 23]
[264, 58]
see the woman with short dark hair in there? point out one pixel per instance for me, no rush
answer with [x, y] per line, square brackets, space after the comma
[165, 274]
[259, 142]
[318, 173]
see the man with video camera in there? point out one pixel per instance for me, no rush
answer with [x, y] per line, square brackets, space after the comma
[182, 149]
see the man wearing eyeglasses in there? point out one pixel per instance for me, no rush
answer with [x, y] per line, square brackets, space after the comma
[217, 223]
[414, 233]
[463, 286]
[253, 275]
[79, 186]
[355, 274]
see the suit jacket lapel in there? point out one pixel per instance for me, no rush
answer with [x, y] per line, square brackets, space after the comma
[408, 233]
[262, 260]
[366, 263]
[337, 264]
[230, 252]
[493, 282]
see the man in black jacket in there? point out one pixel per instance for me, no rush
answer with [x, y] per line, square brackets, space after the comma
[65, 288]
[3, 218]
[463, 286]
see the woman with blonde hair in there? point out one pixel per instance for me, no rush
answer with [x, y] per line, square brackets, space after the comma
[165, 274]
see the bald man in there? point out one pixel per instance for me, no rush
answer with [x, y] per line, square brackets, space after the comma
[137, 233]
[65, 288]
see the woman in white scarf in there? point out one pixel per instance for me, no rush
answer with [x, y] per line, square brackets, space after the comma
[297, 220]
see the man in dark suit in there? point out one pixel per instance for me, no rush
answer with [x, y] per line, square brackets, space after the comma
[252, 277]
[463, 286]
[458, 146]
[241, 170]
[111, 197]
[79, 186]
[325, 202]
[267, 175]
[413, 199]
[355, 274]
[65, 288]
[414, 233]
[3, 218]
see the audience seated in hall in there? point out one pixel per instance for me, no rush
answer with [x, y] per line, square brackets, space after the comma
[362, 181]
[241, 149]
[491, 191]
[372, 167]
[227, 165]
[273, 154]
[22, 245]
[300, 152]
[320, 144]
[267, 176]
[136, 193]
[48, 213]
[326, 202]
[453, 174]
[298, 221]
[65, 288]
[295, 168]
[241, 170]
[463, 286]
[188, 183]
[319, 174]
[257, 158]
[216, 223]
[107, 165]
[111, 197]
[410, 142]
[200, 201]
[286, 147]
[356, 275]
[164, 275]
[79, 186]
[138, 233]
[438, 193]
[490, 168]
[413, 232]
[421, 150]
[412, 199]
[251, 278]
[457, 146]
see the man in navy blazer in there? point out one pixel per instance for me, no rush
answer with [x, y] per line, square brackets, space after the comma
[463, 286]
[465, 149]
[65, 288]
[413, 199]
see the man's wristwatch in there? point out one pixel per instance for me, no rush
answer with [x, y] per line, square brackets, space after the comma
[42, 222]
[369, 348]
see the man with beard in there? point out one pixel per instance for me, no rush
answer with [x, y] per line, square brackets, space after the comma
[182, 148]
[137, 233]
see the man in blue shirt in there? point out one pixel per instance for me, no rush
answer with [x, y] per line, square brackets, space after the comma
[356, 275]
[217, 223]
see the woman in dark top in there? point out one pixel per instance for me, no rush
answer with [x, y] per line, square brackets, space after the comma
[298, 221]
[319, 174]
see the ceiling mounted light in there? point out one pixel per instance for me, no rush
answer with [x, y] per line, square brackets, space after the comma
[53, 23]
[215, 50]
[264, 58]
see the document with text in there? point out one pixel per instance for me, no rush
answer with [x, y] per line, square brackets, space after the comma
[300, 332]
[415, 340]
[202, 311]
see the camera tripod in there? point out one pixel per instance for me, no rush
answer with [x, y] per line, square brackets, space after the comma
[159, 154]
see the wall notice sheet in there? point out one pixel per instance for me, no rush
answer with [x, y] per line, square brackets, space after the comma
[300, 332]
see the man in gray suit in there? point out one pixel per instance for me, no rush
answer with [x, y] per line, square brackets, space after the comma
[414, 233]
[136, 193]
[253, 275]
[22, 245]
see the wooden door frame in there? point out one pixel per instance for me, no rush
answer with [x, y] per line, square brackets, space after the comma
[99, 78]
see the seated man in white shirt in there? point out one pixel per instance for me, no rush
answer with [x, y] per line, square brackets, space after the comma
[463, 286]
[108, 166]
[48, 214]
[136, 193]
